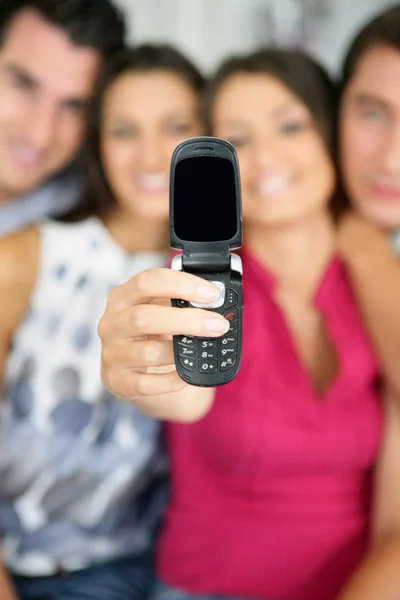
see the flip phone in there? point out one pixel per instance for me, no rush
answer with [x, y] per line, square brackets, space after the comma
[206, 224]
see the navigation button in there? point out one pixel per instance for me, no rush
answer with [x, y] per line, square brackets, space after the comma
[231, 298]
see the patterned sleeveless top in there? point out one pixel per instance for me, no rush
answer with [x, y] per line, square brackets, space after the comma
[81, 472]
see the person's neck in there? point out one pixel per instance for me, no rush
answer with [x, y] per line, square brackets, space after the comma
[136, 234]
[296, 254]
[6, 197]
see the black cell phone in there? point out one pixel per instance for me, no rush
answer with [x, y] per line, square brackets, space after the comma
[206, 224]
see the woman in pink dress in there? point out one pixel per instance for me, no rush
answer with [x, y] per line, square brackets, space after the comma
[272, 474]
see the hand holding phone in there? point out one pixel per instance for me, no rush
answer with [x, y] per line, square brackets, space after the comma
[206, 224]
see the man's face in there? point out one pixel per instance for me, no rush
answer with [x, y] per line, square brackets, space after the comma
[370, 136]
[46, 83]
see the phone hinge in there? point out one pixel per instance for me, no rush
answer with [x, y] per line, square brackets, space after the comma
[207, 261]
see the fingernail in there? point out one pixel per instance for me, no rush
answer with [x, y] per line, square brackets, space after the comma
[208, 292]
[217, 325]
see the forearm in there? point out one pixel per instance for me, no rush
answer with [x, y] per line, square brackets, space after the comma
[375, 276]
[378, 577]
[7, 591]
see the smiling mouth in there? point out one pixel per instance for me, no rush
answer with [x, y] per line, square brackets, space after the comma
[153, 183]
[386, 191]
[25, 155]
[273, 186]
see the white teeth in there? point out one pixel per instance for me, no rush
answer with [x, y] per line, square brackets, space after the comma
[153, 182]
[273, 185]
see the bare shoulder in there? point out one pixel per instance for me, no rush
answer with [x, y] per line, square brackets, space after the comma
[19, 263]
[19, 252]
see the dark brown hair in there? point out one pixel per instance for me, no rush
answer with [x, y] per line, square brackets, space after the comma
[382, 29]
[98, 197]
[300, 73]
[96, 24]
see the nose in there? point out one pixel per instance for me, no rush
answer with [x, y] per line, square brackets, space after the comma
[151, 152]
[42, 126]
[265, 154]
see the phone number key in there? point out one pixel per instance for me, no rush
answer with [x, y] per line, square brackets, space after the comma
[208, 366]
[227, 363]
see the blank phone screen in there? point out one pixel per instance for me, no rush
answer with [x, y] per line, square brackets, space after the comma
[205, 199]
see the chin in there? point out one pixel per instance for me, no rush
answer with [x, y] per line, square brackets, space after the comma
[274, 218]
[154, 215]
[19, 187]
[145, 206]
[270, 224]
[153, 202]
[386, 219]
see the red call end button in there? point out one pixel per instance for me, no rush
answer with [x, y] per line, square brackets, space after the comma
[230, 316]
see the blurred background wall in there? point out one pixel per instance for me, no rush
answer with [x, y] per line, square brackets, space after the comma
[208, 30]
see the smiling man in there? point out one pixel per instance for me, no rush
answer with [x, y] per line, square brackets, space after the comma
[369, 135]
[50, 55]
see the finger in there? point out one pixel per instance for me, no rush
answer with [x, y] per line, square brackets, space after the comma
[140, 353]
[129, 385]
[162, 283]
[148, 319]
[159, 337]
[161, 301]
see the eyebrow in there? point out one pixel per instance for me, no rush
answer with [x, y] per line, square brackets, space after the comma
[81, 103]
[119, 114]
[284, 108]
[30, 80]
[277, 112]
[21, 74]
[363, 99]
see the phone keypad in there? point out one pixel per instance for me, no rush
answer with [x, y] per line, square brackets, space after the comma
[215, 354]
[187, 353]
